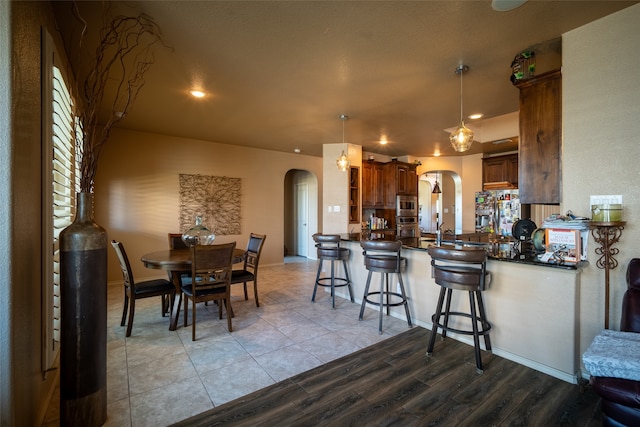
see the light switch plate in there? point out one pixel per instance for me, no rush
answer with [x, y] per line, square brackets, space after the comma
[330, 209]
[605, 200]
[336, 208]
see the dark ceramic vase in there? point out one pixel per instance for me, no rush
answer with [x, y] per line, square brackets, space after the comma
[83, 339]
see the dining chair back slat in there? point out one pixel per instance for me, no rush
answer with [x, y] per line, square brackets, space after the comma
[211, 267]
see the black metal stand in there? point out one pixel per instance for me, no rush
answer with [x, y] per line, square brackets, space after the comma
[606, 234]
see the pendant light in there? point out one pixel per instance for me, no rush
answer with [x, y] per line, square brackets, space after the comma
[461, 138]
[436, 187]
[343, 161]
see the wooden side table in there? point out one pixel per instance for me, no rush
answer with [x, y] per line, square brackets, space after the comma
[606, 234]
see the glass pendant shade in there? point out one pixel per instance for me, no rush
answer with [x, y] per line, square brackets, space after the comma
[198, 234]
[461, 138]
[343, 162]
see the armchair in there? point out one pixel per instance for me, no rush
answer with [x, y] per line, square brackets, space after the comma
[621, 397]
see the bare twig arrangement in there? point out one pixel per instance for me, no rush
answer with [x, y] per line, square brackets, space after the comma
[112, 83]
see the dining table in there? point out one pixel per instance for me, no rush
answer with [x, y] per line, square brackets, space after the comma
[178, 262]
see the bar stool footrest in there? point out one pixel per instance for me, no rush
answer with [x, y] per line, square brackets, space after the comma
[486, 326]
[338, 282]
[402, 301]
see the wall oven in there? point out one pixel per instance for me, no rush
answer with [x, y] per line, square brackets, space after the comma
[406, 206]
[407, 226]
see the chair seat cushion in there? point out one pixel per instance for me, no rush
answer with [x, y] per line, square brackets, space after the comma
[614, 354]
[625, 392]
[241, 276]
[153, 286]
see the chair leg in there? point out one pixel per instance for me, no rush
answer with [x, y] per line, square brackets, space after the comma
[124, 309]
[346, 274]
[404, 297]
[333, 290]
[246, 296]
[186, 310]
[255, 290]
[193, 320]
[132, 309]
[384, 281]
[485, 322]
[435, 319]
[315, 287]
[476, 337]
[228, 306]
[446, 313]
[364, 297]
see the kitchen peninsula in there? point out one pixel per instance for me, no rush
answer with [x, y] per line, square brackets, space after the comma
[533, 307]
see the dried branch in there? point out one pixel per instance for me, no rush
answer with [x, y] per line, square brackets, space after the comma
[122, 58]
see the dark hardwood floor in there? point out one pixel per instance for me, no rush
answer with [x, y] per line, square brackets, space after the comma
[394, 383]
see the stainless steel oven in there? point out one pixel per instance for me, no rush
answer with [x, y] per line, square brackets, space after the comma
[406, 206]
[407, 226]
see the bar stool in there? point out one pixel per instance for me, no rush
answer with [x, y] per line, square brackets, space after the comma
[383, 256]
[461, 270]
[329, 250]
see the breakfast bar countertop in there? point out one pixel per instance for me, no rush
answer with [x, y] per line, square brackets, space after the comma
[504, 250]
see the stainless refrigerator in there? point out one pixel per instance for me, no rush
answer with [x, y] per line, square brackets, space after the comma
[497, 210]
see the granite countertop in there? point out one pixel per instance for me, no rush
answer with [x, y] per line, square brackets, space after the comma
[508, 251]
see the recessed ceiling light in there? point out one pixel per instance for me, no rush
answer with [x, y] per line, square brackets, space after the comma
[383, 140]
[475, 116]
[506, 5]
[296, 150]
[197, 93]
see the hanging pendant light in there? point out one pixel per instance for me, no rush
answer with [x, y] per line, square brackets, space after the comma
[436, 187]
[461, 138]
[343, 161]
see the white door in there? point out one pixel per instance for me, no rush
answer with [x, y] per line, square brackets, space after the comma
[302, 219]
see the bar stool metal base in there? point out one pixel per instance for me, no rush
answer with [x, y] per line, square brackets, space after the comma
[333, 281]
[480, 326]
[385, 298]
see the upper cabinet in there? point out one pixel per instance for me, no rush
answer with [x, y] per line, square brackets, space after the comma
[372, 184]
[400, 178]
[540, 139]
[381, 182]
[500, 172]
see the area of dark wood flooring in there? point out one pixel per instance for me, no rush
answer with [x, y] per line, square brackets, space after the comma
[395, 383]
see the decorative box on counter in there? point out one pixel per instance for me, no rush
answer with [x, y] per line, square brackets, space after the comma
[562, 245]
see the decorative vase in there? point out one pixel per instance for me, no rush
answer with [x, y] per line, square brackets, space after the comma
[198, 234]
[83, 300]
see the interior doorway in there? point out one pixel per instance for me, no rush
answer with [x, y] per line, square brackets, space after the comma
[300, 212]
[440, 209]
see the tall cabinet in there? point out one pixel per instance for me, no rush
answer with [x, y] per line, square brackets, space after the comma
[539, 166]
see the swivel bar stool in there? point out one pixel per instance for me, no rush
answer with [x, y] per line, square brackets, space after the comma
[461, 270]
[383, 256]
[329, 250]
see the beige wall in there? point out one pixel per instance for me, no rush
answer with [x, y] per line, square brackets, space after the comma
[601, 146]
[137, 194]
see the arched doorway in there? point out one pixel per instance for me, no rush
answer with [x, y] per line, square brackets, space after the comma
[443, 209]
[300, 212]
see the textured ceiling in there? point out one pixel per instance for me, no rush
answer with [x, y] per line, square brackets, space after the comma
[278, 74]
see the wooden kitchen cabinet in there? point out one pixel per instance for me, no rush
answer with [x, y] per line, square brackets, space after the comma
[372, 184]
[400, 178]
[540, 147]
[500, 171]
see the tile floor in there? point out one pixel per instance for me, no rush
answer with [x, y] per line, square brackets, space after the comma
[157, 377]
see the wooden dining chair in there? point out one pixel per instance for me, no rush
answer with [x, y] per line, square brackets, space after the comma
[135, 290]
[249, 272]
[210, 280]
